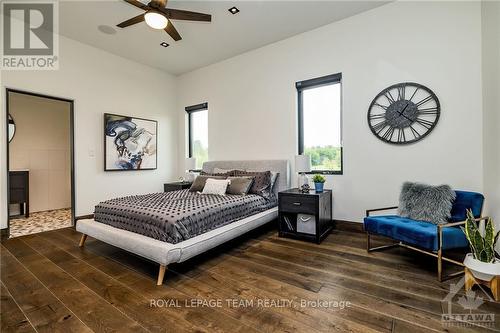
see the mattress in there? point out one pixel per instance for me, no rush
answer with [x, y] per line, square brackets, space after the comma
[178, 215]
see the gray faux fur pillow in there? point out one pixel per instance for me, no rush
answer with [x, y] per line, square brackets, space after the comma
[425, 202]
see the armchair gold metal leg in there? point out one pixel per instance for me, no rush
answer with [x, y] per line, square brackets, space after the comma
[383, 247]
[440, 265]
[440, 253]
[452, 275]
[82, 240]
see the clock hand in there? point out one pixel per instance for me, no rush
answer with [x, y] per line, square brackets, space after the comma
[402, 112]
[407, 118]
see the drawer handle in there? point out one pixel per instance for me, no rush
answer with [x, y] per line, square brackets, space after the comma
[296, 203]
[305, 219]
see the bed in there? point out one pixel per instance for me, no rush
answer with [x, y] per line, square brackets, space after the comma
[165, 250]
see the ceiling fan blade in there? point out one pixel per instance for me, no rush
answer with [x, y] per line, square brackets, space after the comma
[178, 14]
[132, 21]
[170, 29]
[138, 4]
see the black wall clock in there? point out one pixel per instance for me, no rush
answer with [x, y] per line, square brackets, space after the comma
[404, 113]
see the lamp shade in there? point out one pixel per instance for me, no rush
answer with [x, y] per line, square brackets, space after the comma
[190, 163]
[303, 163]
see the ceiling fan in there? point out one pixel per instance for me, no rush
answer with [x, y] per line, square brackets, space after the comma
[159, 17]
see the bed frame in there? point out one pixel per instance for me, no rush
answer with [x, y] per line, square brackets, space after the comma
[165, 253]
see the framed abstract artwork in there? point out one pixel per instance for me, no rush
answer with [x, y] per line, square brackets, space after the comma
[129, 143]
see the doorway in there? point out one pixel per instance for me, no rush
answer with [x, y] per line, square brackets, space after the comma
[40, 162]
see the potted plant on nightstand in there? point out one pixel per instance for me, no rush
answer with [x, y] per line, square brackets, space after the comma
[482, 262]
[319, 181]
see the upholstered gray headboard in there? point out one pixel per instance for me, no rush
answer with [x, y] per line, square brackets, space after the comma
[280, 166]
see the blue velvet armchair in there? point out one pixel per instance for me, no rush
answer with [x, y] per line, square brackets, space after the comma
[423, 236]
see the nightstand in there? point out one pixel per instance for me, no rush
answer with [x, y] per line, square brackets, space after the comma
[305, 216]
[176, 186]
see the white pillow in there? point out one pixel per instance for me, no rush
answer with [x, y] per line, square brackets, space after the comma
[216, 186]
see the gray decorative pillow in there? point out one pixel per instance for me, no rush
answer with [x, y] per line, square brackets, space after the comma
[274, 176]
[199, 182]
[239, 185]
[261, 184]
[426, 203]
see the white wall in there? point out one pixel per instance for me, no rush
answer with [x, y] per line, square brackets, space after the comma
[252, 99]
[100, 82]
[491, 103]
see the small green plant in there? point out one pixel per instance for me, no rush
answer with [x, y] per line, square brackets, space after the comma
[483, 247]
[319, 179]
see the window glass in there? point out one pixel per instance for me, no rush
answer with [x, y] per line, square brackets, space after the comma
[199, 137]
[321, 127]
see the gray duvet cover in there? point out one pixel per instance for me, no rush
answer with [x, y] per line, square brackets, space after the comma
[178, 215]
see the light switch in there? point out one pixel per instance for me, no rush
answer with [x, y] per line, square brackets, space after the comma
[91, 153]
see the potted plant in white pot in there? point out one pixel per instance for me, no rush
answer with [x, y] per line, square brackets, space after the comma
[482, 261]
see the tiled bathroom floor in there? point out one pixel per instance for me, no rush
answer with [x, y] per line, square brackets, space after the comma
[39, 222]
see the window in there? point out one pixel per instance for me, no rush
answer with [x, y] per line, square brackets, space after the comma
[198, 133]
[320, 122]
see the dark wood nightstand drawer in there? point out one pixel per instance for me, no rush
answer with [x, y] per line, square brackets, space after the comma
[298, 204]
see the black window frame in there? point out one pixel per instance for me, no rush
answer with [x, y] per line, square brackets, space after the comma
[310, 84]
[190, 110]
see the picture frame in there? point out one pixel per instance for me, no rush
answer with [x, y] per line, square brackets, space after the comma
[130, 143]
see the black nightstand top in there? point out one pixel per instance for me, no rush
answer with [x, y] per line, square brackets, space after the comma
[175, 186]
[180, 183]
[296, 191]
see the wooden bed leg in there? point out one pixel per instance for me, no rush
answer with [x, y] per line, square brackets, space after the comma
[82, 240]
[161, 274]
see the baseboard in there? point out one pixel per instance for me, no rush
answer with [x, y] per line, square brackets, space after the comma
[348, 226]
[84, 217]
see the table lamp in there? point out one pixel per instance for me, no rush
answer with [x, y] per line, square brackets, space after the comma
[190, 165]
[303, 165]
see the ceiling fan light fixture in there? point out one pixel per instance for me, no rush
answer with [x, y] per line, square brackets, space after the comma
[155, 20]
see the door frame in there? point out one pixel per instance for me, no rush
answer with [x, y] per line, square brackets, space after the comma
[71, 138]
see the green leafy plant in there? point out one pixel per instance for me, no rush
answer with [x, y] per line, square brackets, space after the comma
[319, 179]
[483, 247]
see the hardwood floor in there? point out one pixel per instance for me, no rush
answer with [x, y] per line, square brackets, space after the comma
[49, 284]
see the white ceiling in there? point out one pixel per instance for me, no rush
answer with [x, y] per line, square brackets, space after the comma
[259, 23]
